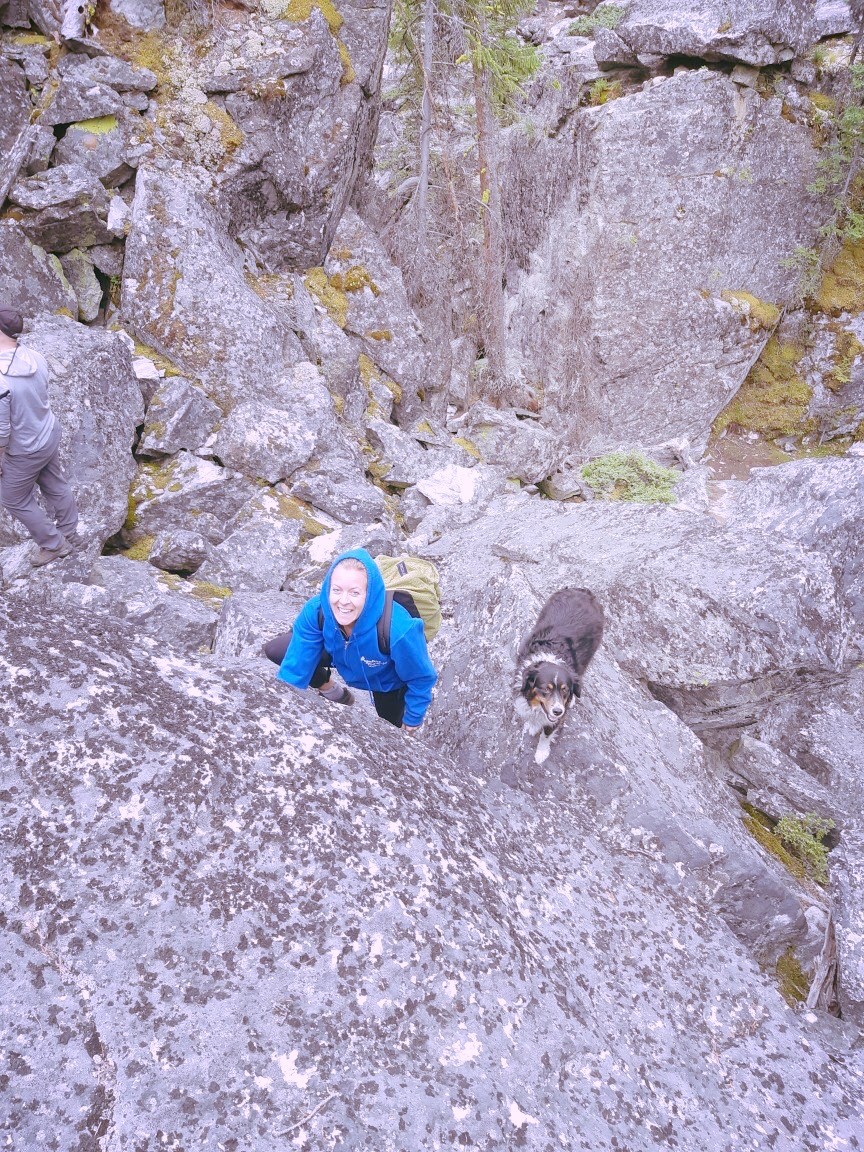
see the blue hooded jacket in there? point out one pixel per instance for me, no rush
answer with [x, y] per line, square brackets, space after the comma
[358, 659]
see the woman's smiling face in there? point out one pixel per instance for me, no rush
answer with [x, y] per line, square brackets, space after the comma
[347, 594]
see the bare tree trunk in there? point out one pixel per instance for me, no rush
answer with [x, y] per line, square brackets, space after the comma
[493, 240]
[425, 124]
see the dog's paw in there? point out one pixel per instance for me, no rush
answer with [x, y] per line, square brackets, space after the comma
[542, 753]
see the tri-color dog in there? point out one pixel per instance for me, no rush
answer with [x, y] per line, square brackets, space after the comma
[552, 660]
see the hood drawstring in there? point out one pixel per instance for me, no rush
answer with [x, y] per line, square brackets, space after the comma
[8, 369]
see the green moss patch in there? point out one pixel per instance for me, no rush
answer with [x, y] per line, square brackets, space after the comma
[299, 10]
[774, 398]
[760, 314]
[140, 550]
[842, 288]
[99, 126]
[847, 349]
[793, 980]
[632, 477]
[333, 298]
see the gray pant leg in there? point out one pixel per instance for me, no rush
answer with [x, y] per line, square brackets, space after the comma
[18, 493]
[57, 492]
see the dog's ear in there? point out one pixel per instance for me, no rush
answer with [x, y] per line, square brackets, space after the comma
[575, 690]
[529, 681]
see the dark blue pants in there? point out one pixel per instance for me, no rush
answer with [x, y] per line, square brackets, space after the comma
[390, 706]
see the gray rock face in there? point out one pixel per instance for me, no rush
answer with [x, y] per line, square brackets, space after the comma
[524, 447]
[765, 614]
[401, 460]
[823, 730]
[106, 148]
[337, 486]
[94, 394]
[817, 505]
[81, 99]
[181, 615]
[178, 416]
[31, 277]
[250, 619]
[832, 18]
[14, 110]
[265, 441]
[117, 74]
[88, 291]
[179, 551]
[149, 15]
[67, 207]
[753, 31]
[257, 555]
[630, 349]
[377, 309]
[208, 899]
[185, 492]
[178, 261]
[285, 202]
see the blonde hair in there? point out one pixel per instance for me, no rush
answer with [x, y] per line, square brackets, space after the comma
[354, 564]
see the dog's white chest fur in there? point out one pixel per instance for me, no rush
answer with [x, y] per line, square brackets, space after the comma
[534, 720]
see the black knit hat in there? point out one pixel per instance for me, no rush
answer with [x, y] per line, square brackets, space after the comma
[11, 321]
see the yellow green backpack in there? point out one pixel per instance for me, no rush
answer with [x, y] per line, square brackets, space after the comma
[413, 583]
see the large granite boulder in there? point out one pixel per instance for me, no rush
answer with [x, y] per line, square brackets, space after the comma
[267, 914]
[521, 445]
[14, 105]
[250, 619]
[819, 506]
[179, 416]
[729, 621]
[338, 487]
[109, 147]
[319, 80]
[94, 394]
[180, 614]
[185, 294]
[30, 277]
[260, 549]
[659, 275]
[64, 208]
[756, 32]
[185, 492]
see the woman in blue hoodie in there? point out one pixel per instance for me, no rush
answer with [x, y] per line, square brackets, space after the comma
[349, 607]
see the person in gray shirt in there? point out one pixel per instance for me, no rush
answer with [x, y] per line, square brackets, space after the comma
[30, 448]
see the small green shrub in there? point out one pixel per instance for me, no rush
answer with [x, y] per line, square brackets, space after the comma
[631, 476]
[602, 91]
[606, 16]
[804, 836]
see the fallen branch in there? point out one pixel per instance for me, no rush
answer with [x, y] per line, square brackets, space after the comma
[305, 1119]
[823, 989]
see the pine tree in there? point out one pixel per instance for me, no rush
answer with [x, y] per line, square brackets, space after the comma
[499, 63]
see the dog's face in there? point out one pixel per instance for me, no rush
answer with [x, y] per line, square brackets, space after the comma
[550, 687]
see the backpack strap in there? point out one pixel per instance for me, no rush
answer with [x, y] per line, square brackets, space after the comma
[384, 624]
[320, 617]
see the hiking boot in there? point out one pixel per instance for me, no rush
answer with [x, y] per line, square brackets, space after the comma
[46, 555]
[338, 694]
[76, 540]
